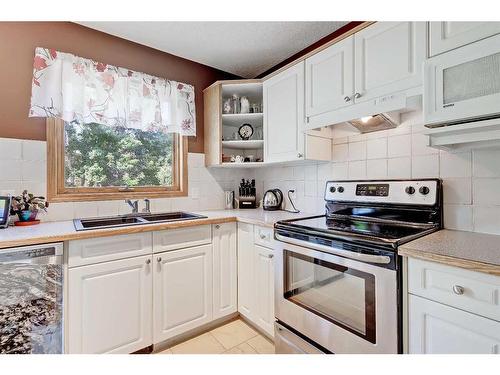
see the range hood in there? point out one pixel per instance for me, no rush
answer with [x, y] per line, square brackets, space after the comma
[371, 115]
[381, 121]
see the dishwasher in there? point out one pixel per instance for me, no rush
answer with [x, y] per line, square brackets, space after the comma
[31, 299]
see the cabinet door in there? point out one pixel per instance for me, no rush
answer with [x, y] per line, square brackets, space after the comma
[445, 36]
[246, 286]
[439, 329]
[182, 289]
[224, 270]
[110, 306]
[330, 78]
[284, 115]
[264, 285]
[388, 58]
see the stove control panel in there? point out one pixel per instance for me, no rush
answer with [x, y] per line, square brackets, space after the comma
[372, 190]
[418, 192]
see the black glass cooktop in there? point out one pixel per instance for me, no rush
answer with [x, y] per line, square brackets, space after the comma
[367, 228]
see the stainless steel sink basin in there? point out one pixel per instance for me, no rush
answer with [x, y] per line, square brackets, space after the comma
[170, 216]
[132, 219]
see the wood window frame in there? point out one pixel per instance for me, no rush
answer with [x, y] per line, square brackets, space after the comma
[58, 192]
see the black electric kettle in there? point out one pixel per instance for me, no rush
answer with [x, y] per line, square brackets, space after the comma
[273, 199]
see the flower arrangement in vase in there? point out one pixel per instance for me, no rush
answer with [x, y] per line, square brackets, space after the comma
[26, 207]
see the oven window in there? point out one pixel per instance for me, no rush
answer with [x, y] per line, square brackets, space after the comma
[342, 295]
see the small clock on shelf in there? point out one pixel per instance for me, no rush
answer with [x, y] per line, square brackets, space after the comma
[245, 132]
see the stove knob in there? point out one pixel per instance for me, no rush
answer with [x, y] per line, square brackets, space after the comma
[332, 189]
[410, 190]
[424, 190]
[340, 189]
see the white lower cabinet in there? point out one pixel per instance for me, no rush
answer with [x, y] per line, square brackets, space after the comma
[435, 328]
[182, 290]
[123, 305]
[264, 285]
[110, 306]
[246, 289]
[255, 280]
[225, 277]
[452, 310]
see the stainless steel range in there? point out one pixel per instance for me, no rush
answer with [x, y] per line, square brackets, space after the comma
[338, 275]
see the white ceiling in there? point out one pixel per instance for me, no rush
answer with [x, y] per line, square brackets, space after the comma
[242, 48]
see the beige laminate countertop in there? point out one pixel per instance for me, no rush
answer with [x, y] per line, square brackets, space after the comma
[65, 230]
[474, 251]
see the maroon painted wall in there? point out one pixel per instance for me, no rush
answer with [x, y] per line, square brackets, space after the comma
[17, 45]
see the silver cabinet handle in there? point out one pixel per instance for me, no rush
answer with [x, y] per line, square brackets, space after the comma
[347, 99]
[158, 259]
[217, 226]
[262, 236]
[379, 259]
[357, 95]
[148, 261]
[457, 289]
[270, 256]
[299, 155]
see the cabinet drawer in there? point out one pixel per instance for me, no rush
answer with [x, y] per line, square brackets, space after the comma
[467, 290]
[103, 249]
[174, 239]
[263, 236]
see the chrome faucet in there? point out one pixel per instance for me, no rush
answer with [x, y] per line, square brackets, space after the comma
[134, 205]
[147, 209]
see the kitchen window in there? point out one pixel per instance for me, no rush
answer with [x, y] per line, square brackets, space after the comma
[99, 162]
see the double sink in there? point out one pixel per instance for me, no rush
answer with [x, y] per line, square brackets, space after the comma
[133, 219]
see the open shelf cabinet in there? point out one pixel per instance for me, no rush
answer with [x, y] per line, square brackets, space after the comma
[223, 121]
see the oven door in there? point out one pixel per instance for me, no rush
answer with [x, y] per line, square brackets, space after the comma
[344, 305]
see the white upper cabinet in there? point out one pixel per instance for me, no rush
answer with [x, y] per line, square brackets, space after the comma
[182, 290]
[388, 58]
[445, 36]
[330, 78]
[110, 307]
[284, 115]
[224, 270]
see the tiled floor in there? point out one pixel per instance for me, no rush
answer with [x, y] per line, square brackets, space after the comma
[235, 337]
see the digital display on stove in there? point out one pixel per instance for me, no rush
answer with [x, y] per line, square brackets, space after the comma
[372, 190]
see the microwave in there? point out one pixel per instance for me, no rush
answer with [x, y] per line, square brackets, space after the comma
[463, 85]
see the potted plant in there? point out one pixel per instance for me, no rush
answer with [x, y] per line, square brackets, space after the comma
[26, 206]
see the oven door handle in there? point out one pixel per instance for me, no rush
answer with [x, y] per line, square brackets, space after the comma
[378, 259]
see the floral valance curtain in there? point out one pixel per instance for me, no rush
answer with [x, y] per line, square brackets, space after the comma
[76, 89]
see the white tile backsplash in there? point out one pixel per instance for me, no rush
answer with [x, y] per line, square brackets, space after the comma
[458, 217]
[425, 166]
[23, 166]
[376, 148]
[399, 145]
[471, 180]
[399, 167]
[486, 219]
[455, 164]
[486, 163]
[357, 151]
[11, 150]
[357, 170]
[376, 169]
